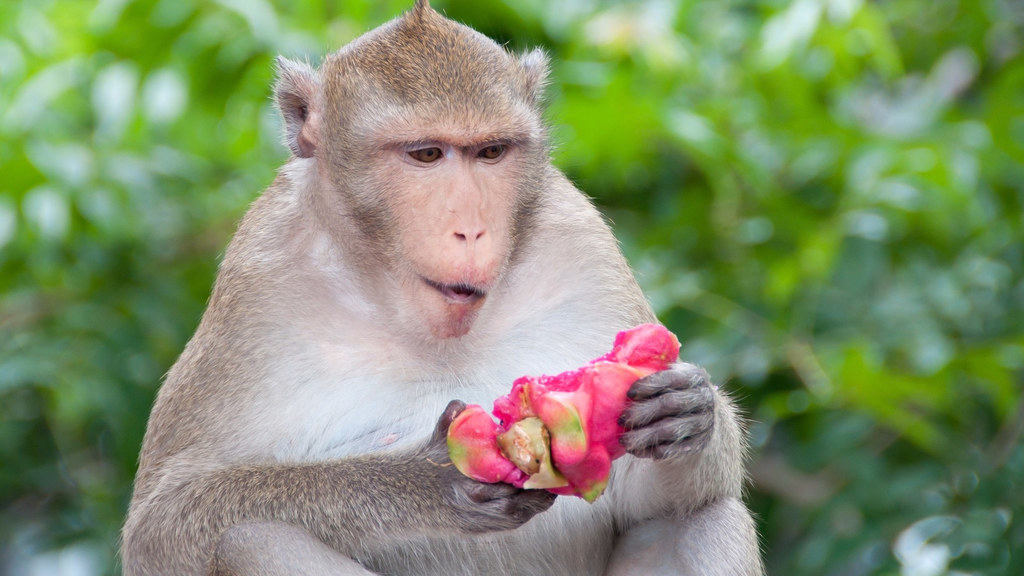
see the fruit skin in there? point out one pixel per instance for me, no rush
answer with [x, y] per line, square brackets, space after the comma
[571, 453]
[474, 450]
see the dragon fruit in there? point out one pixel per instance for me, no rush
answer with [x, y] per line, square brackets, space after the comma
[560, 433]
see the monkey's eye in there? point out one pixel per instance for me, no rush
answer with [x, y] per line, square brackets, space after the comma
[492, 152]
[426, 155]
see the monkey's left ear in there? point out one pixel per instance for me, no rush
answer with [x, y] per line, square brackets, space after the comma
[296, 96]
[534, 68]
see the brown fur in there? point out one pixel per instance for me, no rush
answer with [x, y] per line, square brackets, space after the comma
[294, 433]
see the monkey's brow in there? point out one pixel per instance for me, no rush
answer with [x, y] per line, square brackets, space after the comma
[464, 141]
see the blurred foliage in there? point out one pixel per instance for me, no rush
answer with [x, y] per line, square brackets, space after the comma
[823, 198]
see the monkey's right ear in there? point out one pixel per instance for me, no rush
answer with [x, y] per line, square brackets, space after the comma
[534, 67]
[296, 97]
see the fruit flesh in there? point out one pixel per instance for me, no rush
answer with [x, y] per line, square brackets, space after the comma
[560, 432]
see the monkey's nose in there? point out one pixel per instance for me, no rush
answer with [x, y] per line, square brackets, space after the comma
[469, 237]
[474, 246]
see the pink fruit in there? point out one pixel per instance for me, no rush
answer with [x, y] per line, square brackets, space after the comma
[561, 432]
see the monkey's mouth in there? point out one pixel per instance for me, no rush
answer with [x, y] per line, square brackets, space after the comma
[459, 293]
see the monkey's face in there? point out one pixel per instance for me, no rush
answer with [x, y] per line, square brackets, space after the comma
[453, 205]
[428, 133]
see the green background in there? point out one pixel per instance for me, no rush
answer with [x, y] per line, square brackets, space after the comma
[824, 199]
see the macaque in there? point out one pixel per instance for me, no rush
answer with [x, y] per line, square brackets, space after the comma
[417, 251]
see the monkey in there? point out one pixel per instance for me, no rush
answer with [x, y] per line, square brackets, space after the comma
[419, 250]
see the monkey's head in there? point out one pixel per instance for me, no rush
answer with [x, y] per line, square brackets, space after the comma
[428, 144]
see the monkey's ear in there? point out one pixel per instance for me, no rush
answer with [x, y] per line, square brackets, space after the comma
[296, 97]
[534, 67]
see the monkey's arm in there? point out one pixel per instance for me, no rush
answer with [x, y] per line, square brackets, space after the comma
[350, 504]
[690, 428]
[689, 518]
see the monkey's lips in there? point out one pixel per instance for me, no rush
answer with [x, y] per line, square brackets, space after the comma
[458, 293]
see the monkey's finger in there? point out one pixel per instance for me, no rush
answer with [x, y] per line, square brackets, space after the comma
[454, 408]
[669, 404]
[693, 444]
[481, 493]
[681, 376]
[529, 503]
[670, 436]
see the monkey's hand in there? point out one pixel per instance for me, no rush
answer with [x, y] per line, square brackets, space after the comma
[476, 506]
[673, 413]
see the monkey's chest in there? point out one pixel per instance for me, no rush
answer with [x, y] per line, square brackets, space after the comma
[337, 415]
